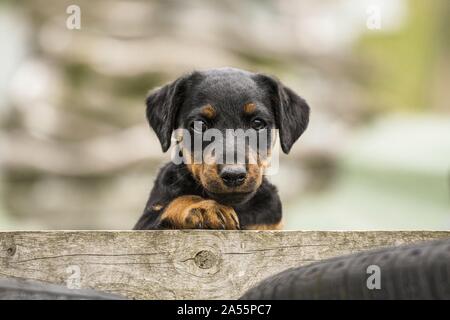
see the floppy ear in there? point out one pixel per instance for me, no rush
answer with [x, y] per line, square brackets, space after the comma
[291, 111]
[163, 105]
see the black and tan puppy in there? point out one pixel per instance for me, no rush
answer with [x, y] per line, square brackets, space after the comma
[208, 195]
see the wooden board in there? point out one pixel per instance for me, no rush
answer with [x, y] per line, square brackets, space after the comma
[178, 264]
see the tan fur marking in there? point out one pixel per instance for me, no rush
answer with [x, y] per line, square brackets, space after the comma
[275, 226]
[209, 112]
[249, 108]
[207, 174]
[254, 177]
[175, 210]
[194, 212]
[196, 170]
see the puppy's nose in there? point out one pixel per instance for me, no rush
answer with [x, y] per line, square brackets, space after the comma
[233, 176]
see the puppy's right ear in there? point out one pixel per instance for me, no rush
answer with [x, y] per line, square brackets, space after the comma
[291, 111]
[163, 105]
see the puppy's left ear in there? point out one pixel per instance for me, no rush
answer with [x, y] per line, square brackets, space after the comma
[291, 111]
[163, 105]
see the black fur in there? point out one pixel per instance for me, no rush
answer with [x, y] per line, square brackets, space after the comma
[176, 104]
[175, 180]
[163, 105]
[291, 111]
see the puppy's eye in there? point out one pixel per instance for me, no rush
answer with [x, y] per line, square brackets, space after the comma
[199, 126]
[258, 124]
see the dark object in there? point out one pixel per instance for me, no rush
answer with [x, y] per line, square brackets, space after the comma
[218, 195]
[420, 271]
[19, 289]
[233, 176]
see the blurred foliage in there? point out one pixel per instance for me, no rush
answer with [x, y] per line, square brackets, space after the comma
[402, 63]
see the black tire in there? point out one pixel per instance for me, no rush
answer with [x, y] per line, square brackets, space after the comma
[419, 271]
[20, 289]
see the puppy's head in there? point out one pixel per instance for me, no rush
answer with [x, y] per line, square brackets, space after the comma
[219, 101]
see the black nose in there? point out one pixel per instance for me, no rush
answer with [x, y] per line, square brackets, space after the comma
[233, 176]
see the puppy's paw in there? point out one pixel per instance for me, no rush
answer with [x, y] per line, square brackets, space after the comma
[193, 212]
[208, 214]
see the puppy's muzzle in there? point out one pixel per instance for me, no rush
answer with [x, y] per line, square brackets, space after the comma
[233, 175]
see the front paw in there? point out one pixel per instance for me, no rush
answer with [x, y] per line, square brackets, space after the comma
[208, 214]
[193, 212]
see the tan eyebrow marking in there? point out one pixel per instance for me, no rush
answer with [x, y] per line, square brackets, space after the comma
[249, 108]
[208, 111]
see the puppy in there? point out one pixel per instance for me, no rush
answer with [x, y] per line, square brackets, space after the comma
[209, 194]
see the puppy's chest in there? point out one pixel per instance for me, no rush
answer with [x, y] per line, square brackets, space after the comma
[249, 214]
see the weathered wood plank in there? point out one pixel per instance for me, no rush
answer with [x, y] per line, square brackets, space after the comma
[178, 264]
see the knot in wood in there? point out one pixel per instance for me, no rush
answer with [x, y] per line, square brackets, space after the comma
[205, 259]
[11, 251]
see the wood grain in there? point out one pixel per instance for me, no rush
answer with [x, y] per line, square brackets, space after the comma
[178, 264]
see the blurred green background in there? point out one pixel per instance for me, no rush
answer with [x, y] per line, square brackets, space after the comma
[76, 152]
